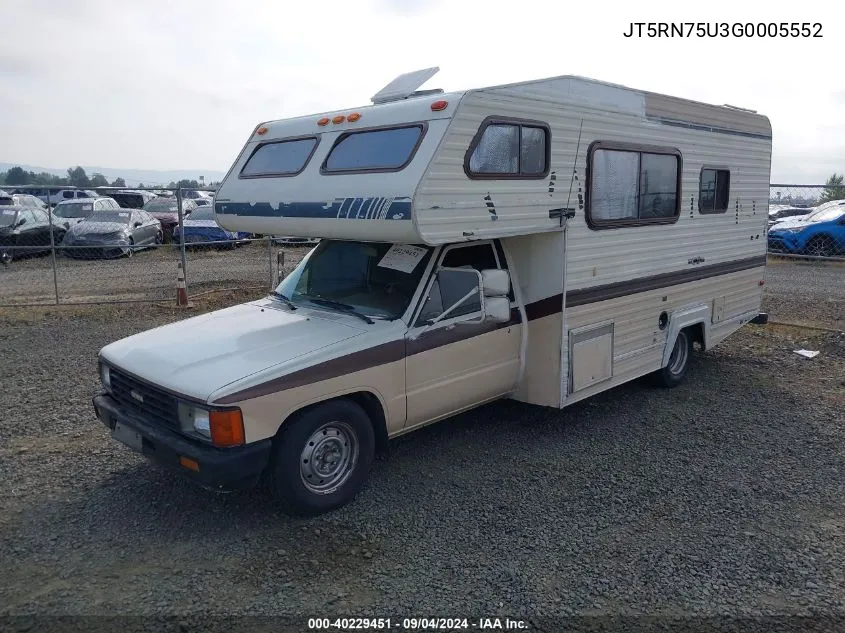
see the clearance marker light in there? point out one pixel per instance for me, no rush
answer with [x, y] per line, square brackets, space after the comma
[439, 105]
[353, 117]
[261, 131]
[323, 121]
[338, 119]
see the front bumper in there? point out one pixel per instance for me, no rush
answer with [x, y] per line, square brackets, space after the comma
[221, 470]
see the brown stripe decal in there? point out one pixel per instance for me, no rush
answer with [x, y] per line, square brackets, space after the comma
[574, 298]
[441, 336]
[365, 359]
[378, 355]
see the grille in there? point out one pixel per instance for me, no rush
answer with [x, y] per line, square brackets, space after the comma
[157, 404]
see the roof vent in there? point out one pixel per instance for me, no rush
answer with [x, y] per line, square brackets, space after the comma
[727, 105]
[406, 85]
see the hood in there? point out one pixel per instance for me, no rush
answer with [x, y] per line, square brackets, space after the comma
[203, 354]
[790, 223]
[97, 228]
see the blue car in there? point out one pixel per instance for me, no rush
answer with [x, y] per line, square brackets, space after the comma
[820, 233]
[200, 228]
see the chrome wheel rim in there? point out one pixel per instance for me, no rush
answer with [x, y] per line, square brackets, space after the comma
[328, 457]
[678, 358]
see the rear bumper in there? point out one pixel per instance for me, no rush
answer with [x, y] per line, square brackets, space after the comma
[221, 470]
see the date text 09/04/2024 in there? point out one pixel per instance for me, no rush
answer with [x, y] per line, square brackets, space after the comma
[723, 29]
[416, 624]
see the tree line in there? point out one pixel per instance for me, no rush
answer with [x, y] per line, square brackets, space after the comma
[76, 177]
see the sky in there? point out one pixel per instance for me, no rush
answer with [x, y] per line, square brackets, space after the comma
[180, 84]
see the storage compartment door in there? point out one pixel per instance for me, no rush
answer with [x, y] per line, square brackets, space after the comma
[590, 356]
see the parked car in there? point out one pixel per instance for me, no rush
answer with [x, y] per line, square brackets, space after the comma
[166, 211]
[294, 241]
[781, 213]
[130, 199]
[821, 233]
[113, 233]
[72, 211]
[55, 197]
[21, 200]
[204, 202]
[27, 227]
[201, 227]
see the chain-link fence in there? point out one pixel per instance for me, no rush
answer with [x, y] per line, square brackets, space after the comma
[807, 221]
[146, 243]
[120, 245]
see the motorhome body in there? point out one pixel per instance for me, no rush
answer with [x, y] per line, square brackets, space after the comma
[543, 241]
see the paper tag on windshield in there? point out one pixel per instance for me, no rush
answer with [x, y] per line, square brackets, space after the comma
[9, 211]
[123, 215]
[402, 257]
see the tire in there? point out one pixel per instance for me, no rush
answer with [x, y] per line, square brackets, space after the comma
[676, 369]
[821, 246]
[159, 238]
[6, 257]
[321, 458]
[131, 250]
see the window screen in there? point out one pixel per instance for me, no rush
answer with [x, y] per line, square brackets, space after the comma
[511, 150]
[713, 190]
[631, 186]
[374, 150]
[285, 158]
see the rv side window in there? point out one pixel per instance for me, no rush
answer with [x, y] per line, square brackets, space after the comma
[504, 149]
[714, 190]
[380, 150]
[281, 158]
[631, 186]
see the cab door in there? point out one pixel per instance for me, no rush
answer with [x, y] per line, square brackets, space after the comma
[452, 366]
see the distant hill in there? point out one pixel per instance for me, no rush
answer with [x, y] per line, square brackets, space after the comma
[131, 176]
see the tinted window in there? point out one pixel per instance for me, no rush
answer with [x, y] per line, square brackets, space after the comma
[279, 159]
[627, 185]
[510, 149]
[162, 206]
[67, 195]
[713, 190]
[374, 150]
[203, 213]
[7, 216]
[73, 209]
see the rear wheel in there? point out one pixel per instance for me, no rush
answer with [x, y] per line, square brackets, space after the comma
[159, 238]
[6, 257]
[131, 248]
[322, 458]
[676, 369]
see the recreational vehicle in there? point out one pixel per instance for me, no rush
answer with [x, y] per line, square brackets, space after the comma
[542, 241]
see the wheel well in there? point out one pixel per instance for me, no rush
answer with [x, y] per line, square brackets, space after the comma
[364, 399]
[696, 331]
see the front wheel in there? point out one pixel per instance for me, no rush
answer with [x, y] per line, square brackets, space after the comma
[322, 458]
[130, 249]
[821, 246]
[6, 257]
[676, 369]
[159, 238]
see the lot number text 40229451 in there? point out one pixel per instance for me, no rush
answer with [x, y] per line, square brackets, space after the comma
[722, 29]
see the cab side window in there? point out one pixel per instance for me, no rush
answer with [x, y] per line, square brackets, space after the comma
[442, 297]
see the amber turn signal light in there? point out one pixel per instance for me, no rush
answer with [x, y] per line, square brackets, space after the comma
[190, 464]
[227, 428]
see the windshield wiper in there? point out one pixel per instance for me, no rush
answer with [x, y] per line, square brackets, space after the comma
[283, 298]
[345, 307]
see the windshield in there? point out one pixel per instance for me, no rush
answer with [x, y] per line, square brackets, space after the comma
[121, 217]
[374, 279]
[825, 214]
[73, 209]
[7, 216]
[202, 213]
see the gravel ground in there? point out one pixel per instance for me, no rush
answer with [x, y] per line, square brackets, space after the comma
[723, 496]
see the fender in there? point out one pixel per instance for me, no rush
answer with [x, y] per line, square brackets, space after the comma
[683, 318]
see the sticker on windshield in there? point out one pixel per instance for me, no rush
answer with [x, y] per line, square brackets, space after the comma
[123, 215]
[9, 211]
[402, 257]
[87, 207]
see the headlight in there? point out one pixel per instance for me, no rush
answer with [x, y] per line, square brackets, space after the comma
[105, 377]
[795, 229]
[223, 427]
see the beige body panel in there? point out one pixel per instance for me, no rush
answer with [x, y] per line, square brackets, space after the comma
[541, 380]
[452, 377]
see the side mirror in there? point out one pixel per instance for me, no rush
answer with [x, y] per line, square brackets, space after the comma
[496, 285]
[22, 221]
[137, 224]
